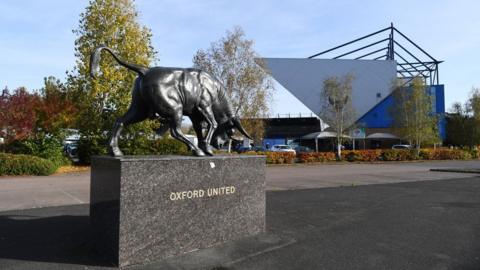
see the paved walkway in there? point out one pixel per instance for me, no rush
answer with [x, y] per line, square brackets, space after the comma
[427, 225]
[74, 188]
[39, 191]
[334, 175]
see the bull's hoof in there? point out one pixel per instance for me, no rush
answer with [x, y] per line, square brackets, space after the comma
[207, 149]
[198, 153]
[115, 152]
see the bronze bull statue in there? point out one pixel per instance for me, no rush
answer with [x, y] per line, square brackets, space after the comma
[167, 94]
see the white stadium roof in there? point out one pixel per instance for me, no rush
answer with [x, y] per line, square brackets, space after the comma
[304, 77]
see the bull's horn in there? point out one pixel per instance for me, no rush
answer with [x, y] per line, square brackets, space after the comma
[238, 125]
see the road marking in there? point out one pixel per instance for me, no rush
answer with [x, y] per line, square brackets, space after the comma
[71, 196]
[291, 242]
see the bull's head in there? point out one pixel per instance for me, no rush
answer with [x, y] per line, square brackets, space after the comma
[225, 131]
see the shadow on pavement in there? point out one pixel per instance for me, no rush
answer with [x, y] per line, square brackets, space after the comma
[56, 239]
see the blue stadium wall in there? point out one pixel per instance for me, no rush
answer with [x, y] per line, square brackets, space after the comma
[379, 116]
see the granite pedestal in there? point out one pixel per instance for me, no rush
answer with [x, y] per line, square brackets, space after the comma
[146, 208]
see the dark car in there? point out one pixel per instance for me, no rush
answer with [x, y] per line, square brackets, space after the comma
[302, 149]
[258, 149]
[243, 149]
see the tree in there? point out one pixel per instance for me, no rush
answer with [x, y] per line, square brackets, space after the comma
[112, 23]
[18, 114]
[474, 106]
[459, 125]
[463, 121]
[57, 111]
[337, 108]
[412, 114]
[232, 60]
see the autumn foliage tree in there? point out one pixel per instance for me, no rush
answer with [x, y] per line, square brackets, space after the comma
[34, 123]
[232, 60]
[101, 100]
[18, 114]
[56, 111]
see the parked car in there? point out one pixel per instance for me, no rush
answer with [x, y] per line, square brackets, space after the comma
[282, 148]
[71, 150]
[243, 149]
[258, 149]
[304, 149]
[401, 146]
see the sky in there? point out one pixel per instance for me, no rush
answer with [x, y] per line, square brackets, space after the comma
[36, 38]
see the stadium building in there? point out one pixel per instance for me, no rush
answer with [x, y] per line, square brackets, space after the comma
[375, 61]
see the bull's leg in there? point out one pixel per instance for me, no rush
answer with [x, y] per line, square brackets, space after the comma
[207, 113]
[164, 126]
[197, 122]
[113, 148]
[134, 114]
[120, 123]
[176, 131]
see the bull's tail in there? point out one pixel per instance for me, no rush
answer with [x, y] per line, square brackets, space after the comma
[95, 59]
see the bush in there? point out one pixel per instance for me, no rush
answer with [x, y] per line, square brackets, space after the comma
[351, 156]
[388, 155]
[316, 157]
[444, 154]
[362, 155]
[398, 155]
[168, 146]
[278, 157]
[50, 148]
[474, 153]
[141, 145]
[91, 146]
[275, 157]
[19, 164]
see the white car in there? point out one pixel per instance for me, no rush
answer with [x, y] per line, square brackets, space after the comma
[282, 148]
[401, 146]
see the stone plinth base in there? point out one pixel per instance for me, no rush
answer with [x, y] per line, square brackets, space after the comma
[146, 208]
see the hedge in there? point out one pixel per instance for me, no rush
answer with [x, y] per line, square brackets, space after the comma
[50, 148]
[18, 164]
[275, 157]
[280, 157]
[307, 157]
[442, 153]
[362, 155]
[389, 155]
[90, 146]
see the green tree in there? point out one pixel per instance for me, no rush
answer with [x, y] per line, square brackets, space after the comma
[474, 106]
[232, 60]
[413, 116]
[112, 23]
[459, 125]
[337, 109]
[463, 121]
